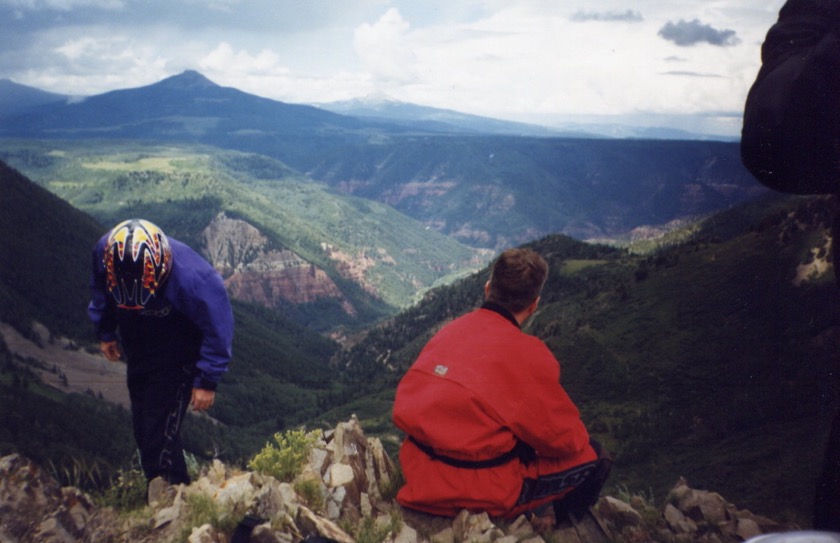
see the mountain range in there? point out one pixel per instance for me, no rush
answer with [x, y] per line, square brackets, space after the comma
[16, 98]
[387, 109]
[698, 341]
[453, 175]
[191, 108]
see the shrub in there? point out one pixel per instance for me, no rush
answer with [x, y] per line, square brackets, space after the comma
[127, 490]
[309, 491]
[204, 510]
[369, 531]
[284, 458]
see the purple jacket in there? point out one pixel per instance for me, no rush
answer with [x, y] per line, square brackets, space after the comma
[189, 323]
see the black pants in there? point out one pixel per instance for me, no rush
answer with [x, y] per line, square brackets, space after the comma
[159, 401]
[586, 482]
[587, 493]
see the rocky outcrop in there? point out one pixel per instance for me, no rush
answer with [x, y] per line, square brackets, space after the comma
[230, 244]
[33, 507]
[256, 271]
[356, 266]
[687, 515]
[282, 277]
[345, 494]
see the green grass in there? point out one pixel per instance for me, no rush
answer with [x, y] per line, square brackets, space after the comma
[182, 187]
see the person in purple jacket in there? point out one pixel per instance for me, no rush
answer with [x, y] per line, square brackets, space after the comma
[156, 301]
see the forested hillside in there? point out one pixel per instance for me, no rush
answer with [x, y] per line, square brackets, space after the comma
[280, 375]
[375, 259]
[711, 357]
[500, 191]
[46, 245]
[714, 358]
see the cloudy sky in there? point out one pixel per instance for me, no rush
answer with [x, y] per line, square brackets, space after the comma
[681, 63]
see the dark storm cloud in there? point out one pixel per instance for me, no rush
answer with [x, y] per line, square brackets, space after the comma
[260, 15]
[687, 33]
[628, 16]
[85, 37]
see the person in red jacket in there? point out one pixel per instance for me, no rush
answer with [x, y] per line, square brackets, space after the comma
[489, 426]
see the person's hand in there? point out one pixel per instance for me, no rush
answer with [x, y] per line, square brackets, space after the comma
[111, 350]
[202, 399]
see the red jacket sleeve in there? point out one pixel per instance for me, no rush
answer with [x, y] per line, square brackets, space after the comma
[547, 419]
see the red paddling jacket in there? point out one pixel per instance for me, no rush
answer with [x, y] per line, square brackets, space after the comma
[480, 389]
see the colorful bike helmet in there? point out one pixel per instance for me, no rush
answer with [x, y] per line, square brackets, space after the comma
[137, 262]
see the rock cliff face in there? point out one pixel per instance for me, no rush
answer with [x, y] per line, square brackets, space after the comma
[344, 493]
[257, 271]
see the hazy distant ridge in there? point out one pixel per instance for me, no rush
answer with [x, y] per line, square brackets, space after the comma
[486, 183]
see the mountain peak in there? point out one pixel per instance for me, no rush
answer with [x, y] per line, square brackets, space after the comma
[188, 79]
[16, 98]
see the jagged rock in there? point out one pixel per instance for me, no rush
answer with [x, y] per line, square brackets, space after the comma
[765, 524]
[700, 505]
[312, 523]
[169, 513]
[264, 534]
[350, 471]
[216, 473]
[256, 271]
[447, 535]
[318, 460]
[359, 466]
[25, 486]
[677, 520]
[406, 535]
[520, 528]
[747, 528]
[229, 244]
[239, 489]
[340, 475]
[379, 468]
[33, 507]
[202, 534]
[475, 528]
[619, 512]
[158, 491]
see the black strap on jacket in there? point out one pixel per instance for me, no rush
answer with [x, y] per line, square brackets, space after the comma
[522, 451]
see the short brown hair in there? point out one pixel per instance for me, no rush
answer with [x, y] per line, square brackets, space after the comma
[517, 278]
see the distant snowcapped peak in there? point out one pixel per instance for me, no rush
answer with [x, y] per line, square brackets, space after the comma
[375, 98]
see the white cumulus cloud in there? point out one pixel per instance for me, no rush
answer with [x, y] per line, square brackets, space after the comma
[385, 47]
[224, 59]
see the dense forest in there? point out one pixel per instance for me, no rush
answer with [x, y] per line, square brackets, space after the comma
[712, 357]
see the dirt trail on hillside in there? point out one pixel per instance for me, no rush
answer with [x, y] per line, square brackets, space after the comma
[85, 372]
